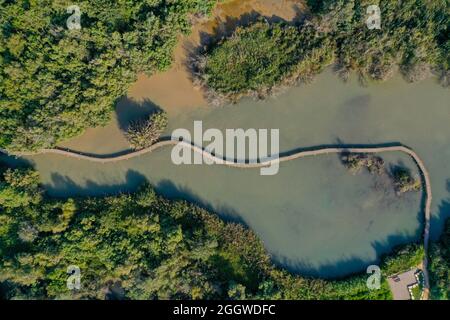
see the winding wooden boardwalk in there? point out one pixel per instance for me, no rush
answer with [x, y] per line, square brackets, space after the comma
[425, 177]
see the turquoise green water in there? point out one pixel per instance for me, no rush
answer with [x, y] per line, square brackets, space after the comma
[313, 216]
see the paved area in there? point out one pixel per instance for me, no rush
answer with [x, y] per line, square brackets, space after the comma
[399, 284]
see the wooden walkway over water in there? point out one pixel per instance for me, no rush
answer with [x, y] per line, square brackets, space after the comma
[425, 177]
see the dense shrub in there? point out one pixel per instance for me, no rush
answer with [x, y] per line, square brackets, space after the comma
[403, 259]
[413, 36]
[150, 248]
[404, 181]
[355, 162]
[143, 133]
[258, 58]
[413, 39]
[55, 82]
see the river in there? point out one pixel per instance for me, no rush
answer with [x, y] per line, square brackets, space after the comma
[314, 217]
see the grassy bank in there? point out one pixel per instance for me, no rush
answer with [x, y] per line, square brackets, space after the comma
[150, 248]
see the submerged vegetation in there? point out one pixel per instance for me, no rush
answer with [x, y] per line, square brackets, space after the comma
[258, 59]
[401, 177]
[150, 248]
[355, 162]
[404, 181]
[55, 82]
[143, 133]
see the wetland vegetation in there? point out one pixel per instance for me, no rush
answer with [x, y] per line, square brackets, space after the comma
[150, 247]
[356, 162]
[55, 84]
[259, 58]
[401, 177]
[440, 266]
[144, 132]
[404, 181]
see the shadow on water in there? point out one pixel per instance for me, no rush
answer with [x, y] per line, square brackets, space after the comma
[340, 144]
[169, 190]
[351, 264]
[226, 27]
[128, 111]
[315, 5]
[438, 220]
[63, 185]
[330, 269]
[355, 265]
[14, 162]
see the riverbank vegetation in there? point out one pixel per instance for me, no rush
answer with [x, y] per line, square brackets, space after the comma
[142, 134]
[257, 58]
[55, 82]
[403, 259]
[150, 248]
[262, 57]
[440, 266]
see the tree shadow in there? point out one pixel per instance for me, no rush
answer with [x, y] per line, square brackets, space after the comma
[171, 191]
[339, 268]
[439, 219]
[315, 6]
[399, 167]
[226, 27]
[14, 162]
[348, 266]
[129, 111]
[63, 185]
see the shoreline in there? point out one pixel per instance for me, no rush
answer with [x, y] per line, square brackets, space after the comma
[224, 17]
[284, 157]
